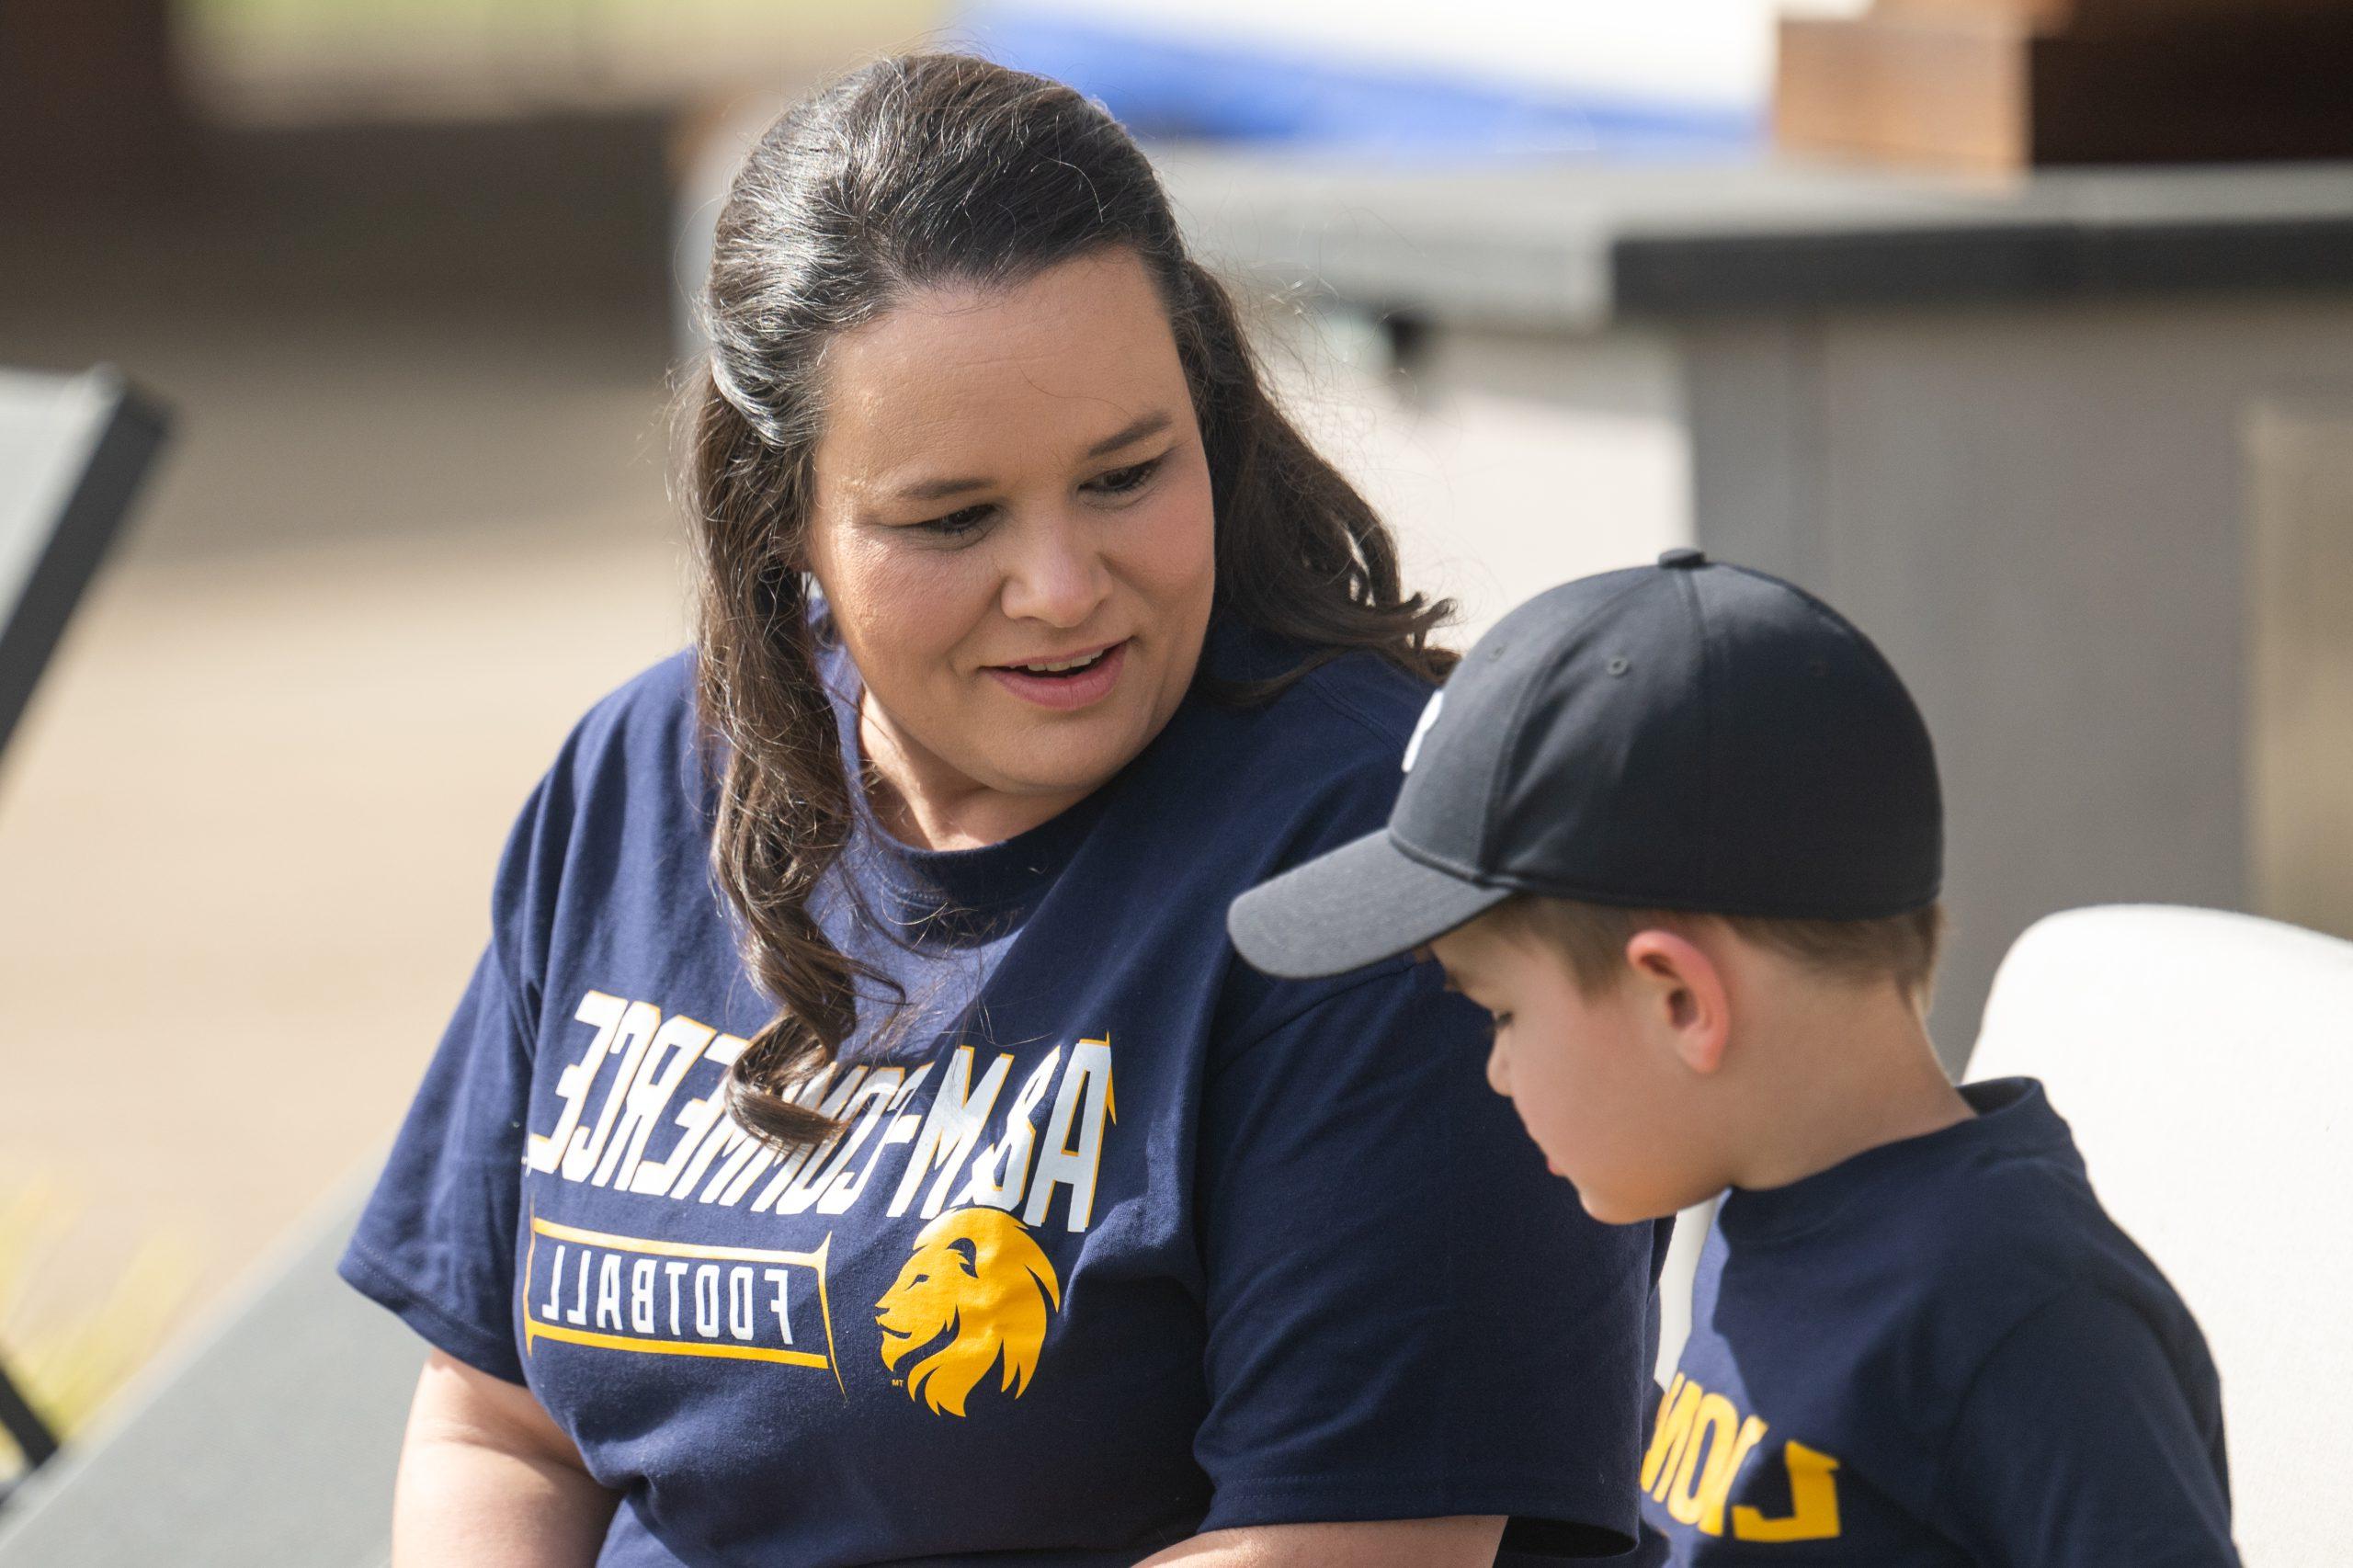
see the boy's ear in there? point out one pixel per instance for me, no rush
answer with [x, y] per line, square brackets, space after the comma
[1681, 994]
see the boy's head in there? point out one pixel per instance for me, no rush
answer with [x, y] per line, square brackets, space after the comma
[1614, 1027]
[1689, 738]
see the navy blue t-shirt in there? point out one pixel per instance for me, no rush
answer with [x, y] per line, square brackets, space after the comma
[1942, 1351]
[1122, 1241]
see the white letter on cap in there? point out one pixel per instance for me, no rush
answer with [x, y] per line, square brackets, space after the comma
[1422, 727]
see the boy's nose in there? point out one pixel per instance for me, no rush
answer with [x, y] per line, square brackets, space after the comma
[1498, 1071]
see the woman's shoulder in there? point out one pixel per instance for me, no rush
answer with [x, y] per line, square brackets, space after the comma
[1374, 702]
[655, 708]
[621, 801]
[633, 759]
[1352, 713]
[641, 738]
[1264, 784]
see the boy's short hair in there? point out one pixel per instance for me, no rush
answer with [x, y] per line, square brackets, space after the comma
[1592, 937]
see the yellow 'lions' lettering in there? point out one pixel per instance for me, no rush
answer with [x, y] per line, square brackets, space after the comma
[977, 1278]
[1814, 1503]
[1696, 1450]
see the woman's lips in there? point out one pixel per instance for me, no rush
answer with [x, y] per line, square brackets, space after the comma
[1080, 689]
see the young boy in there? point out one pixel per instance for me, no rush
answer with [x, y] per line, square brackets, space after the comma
[1678, 829]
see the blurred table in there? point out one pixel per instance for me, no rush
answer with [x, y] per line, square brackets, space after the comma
[2003, 424]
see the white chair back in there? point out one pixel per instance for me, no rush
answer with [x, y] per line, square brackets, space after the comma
[2205, 1060]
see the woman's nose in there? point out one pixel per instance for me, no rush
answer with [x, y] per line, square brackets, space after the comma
[1055, 574]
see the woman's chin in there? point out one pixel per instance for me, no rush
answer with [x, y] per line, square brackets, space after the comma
[1066, 752]
[1067, 776]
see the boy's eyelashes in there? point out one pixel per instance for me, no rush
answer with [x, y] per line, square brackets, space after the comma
[1496, 1018]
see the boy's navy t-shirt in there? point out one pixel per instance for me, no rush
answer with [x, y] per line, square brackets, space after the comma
[1122, 1241]
[1942, 1351]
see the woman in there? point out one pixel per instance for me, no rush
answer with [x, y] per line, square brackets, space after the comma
[857, 1143]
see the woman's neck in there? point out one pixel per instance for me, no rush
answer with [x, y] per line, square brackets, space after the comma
[920, 800]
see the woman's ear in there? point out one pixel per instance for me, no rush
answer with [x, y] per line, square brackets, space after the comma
[1680, 996]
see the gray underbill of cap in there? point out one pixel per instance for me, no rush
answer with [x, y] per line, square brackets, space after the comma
[1361, 904]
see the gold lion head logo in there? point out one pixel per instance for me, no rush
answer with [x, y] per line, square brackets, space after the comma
[978, 1278]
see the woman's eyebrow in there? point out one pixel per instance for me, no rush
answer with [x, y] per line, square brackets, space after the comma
[938, 489]
[1134, 430]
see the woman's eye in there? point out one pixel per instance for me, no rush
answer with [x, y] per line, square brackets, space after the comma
[1135, 476]
[956, 525]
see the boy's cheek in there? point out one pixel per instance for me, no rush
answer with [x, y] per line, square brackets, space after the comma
[1647, 1176]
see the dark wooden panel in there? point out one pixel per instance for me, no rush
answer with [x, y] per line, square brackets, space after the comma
[2111, 17]
[1983, 90]
[2230, 93]
[88, 95]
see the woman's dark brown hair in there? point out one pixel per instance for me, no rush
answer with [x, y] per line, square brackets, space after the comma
[912, 173]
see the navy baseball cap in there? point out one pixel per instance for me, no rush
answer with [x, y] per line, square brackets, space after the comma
[1689, 735]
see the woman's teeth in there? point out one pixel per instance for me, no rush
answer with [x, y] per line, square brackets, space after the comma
[1062, 669]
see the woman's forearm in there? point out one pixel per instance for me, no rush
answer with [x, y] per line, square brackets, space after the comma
[463, 1502]
[1467, 1541]
[487, 1478]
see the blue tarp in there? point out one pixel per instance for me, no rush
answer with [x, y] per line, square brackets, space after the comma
[1161, 84]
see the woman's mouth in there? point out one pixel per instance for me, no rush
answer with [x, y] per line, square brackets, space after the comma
[1064, 681]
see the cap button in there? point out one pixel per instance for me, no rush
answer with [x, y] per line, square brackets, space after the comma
[1683, 558]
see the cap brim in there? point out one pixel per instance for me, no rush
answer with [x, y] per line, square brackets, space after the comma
[1362, 902]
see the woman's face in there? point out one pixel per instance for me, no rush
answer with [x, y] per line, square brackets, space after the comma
[1011, 521]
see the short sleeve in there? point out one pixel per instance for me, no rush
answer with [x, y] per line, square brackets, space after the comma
[435, 1242]
[2078, 1444]
[1408, 1317]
